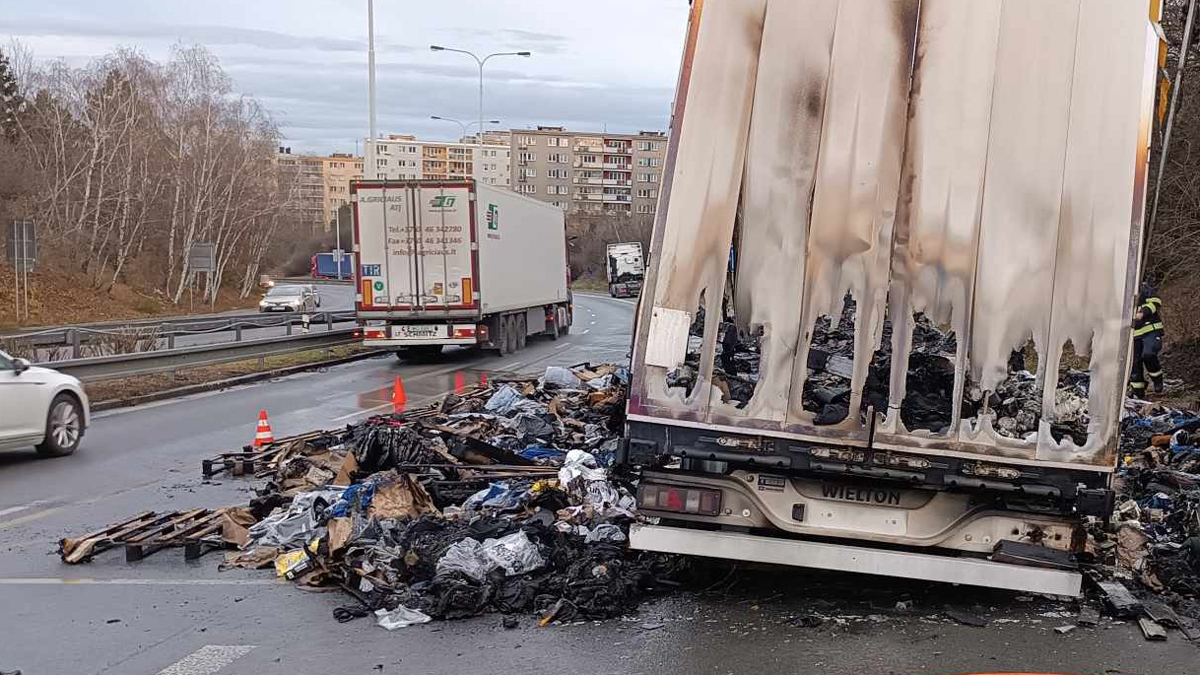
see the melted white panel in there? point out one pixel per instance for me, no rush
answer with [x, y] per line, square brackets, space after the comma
[937, 225]
[698, 228]
[781, 160]
[1094, 247]
[1026, 151]
[857, 181]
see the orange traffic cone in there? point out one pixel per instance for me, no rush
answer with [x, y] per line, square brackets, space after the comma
[262, 433]
[399, 398]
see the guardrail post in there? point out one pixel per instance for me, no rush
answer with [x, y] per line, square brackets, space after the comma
[328, 321]
[237, 333]
[289, 326]
[73, 338]
[171, 340]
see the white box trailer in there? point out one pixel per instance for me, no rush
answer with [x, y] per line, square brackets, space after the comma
[457, 263]
[975, 167]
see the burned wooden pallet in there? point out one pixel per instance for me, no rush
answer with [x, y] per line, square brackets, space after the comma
[197, 531]
[250, 460]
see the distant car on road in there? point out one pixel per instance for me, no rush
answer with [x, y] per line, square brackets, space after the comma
[40, 407]
[292, 298]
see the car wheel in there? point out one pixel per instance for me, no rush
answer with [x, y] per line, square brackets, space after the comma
[64, 427]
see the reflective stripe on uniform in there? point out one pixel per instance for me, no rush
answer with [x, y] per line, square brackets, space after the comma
[1137, 385]
[1148, 328]
[1154, 374]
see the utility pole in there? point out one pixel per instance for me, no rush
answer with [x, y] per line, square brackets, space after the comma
[481, 62]
[337, 215]
[371, 169]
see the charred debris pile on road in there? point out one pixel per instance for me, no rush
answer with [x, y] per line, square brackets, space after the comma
[929, 390]
[494, 499]
[1153, 537]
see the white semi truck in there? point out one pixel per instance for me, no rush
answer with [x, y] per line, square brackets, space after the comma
[970, 170]
[457, 263]
[625, 269]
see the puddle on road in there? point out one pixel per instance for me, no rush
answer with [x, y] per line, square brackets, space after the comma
[400, 392]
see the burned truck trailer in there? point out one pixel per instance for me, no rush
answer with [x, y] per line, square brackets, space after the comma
[913, 362]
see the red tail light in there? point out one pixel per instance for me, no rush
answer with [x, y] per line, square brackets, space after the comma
[375, 333]
[482, 331]
[464, 331]
[679, 499]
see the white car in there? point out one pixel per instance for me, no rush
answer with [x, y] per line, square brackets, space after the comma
[40, 407]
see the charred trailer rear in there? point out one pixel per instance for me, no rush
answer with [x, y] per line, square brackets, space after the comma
[886, 328]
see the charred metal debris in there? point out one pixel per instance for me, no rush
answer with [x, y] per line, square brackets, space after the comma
[498, 498]
[929, 394]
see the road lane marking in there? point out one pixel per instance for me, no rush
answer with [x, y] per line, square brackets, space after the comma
[22, 507]
[586, 331]
[85, 581]
[29, 518]
[565, 344]
[207, 660]
[518, 364]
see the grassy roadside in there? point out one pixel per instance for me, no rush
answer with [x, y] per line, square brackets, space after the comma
[141, 385]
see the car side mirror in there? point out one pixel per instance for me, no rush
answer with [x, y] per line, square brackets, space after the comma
[20, 365]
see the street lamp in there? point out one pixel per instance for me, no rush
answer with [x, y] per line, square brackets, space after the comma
[463, 126]
[438, 48]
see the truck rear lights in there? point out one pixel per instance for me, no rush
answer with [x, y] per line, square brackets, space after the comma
[839, 454]
[481, 331]
[464, 331]
[679, 499]
[375, 333]
[990, 471]
[902, 461]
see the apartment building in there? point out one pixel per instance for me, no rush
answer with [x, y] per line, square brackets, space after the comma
[589, 172]
[322, 183]
[404, 156]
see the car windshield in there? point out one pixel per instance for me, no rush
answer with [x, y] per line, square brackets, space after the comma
[284, 292]
[5, 361]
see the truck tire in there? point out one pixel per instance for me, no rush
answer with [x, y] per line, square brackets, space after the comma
[64, 427]
[522, 333]
[552, 330]
[564, 328]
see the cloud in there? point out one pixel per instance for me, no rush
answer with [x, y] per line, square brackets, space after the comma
[204, 34]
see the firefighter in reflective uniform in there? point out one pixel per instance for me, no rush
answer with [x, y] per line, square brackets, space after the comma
[1147, 342]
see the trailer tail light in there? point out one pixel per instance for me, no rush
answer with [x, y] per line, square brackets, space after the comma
[464, 332]
[679, 499]
[356, 334]
[375, 333]
[481, 332]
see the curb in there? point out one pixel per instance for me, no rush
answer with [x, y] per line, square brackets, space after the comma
[248, 378]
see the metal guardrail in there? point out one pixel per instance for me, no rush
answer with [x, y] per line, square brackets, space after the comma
[74, 337]
[145, 363]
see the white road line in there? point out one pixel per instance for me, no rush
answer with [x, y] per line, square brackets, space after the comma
[207, 660]
[28, 518]
[565, 344]
[511, 366]
[591, 323]
[586, 331]
[56, 581]
[23, 507]
[362, 412]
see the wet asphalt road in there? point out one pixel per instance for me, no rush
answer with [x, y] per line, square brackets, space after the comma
[163, 615]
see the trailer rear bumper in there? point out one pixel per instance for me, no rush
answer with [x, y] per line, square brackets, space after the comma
[881, 562]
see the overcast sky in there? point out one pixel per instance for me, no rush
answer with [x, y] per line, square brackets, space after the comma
[596, 63]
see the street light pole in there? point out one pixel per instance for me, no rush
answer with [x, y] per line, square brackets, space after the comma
[462, 126]
[370, 168]
[479, 61]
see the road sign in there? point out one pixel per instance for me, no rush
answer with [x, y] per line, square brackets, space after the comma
[202, 257]
[21, 250]
[338, 254]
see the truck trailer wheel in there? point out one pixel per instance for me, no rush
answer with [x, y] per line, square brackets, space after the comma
[564, 325]
[522, 333]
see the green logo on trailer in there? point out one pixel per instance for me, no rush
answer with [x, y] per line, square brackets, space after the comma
[493, 217]
[378, 286]
[442, 202]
